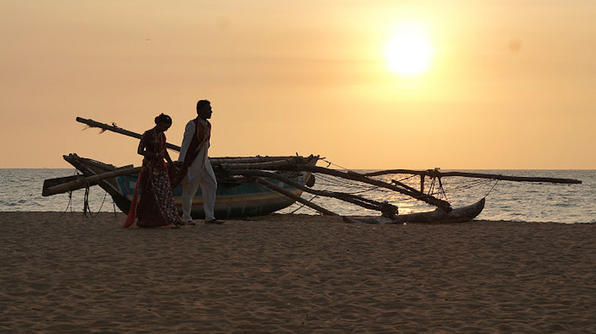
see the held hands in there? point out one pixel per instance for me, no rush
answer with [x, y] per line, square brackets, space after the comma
[175, 165]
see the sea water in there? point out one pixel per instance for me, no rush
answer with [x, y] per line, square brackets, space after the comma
[505, 200]
[20, 190]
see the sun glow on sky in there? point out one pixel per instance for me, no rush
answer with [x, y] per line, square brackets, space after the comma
[511, 81]
[409, 51]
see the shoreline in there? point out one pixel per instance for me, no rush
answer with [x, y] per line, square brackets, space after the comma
[294, 273]
[282, 216]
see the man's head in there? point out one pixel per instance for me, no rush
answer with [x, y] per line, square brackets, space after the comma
[204, 109]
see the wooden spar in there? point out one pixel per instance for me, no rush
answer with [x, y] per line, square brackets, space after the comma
[259, 159]
[436, 173]
[361, 178]
[93, 124]
[270, 165]
[214, 160]
[397, 171]
[512, 178]
[385, 208]
[281, 164]
[350, 176]
[294, 197]
[84, 182]
[298, 161]
[302, 200]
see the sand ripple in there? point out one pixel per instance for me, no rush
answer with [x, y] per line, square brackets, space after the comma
[302, 274]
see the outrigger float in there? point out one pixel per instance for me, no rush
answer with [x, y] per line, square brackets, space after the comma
[260, 185]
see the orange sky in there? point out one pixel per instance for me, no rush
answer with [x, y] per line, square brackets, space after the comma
[511, 84]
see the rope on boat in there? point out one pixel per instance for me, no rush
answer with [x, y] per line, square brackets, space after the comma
[338, 182]
[436, 188]
[102, 202]
[343, 185]
[86, 207]
[91, 214]
[343, 182]
[303, 205]
[471, 184]
[69, 205]
[329, 163]
[86, 202]
[405, 178]
[491, 189]
[466, 185]
[365, 190]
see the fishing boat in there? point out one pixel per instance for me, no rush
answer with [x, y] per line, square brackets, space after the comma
[237, 196]
[254, 186]
[240, 195]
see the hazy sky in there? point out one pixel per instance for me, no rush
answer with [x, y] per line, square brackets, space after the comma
[512, 84]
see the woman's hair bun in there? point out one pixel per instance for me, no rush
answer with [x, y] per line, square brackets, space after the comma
[163, 118]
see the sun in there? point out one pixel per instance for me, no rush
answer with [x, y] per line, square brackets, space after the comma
[409, 51]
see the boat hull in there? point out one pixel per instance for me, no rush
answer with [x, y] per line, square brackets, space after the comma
[235, 198]
[458, 215]
[439, 216]
[232, 200]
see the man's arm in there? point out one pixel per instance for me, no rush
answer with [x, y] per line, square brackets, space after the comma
[189, 132]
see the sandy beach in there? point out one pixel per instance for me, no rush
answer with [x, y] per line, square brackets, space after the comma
[294, 274]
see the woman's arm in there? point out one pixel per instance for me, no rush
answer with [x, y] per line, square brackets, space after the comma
[166, 154]
[142, 147]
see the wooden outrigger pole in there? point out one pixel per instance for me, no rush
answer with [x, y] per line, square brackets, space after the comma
[406, 190]
[80, 182]
[438, 174]
[388, 210]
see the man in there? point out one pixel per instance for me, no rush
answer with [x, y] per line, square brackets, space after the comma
[196, 165]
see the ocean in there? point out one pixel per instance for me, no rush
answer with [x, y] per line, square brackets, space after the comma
[20, 190]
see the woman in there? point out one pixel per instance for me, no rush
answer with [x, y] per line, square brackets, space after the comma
[153, 202]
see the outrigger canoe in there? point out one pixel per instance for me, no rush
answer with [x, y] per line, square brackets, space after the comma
[239, 196]
[254, 186]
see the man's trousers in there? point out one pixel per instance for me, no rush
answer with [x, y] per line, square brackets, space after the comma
[199, 176]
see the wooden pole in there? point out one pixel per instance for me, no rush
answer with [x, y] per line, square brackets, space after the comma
[512, 178]
[248, 160]
[83, 182]
[93, 124]
[385, 208]
[268, 165]
[214, 160]
[302, 200]
[356, 177]
[436, 173]
[396, 171]
[294, 197]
